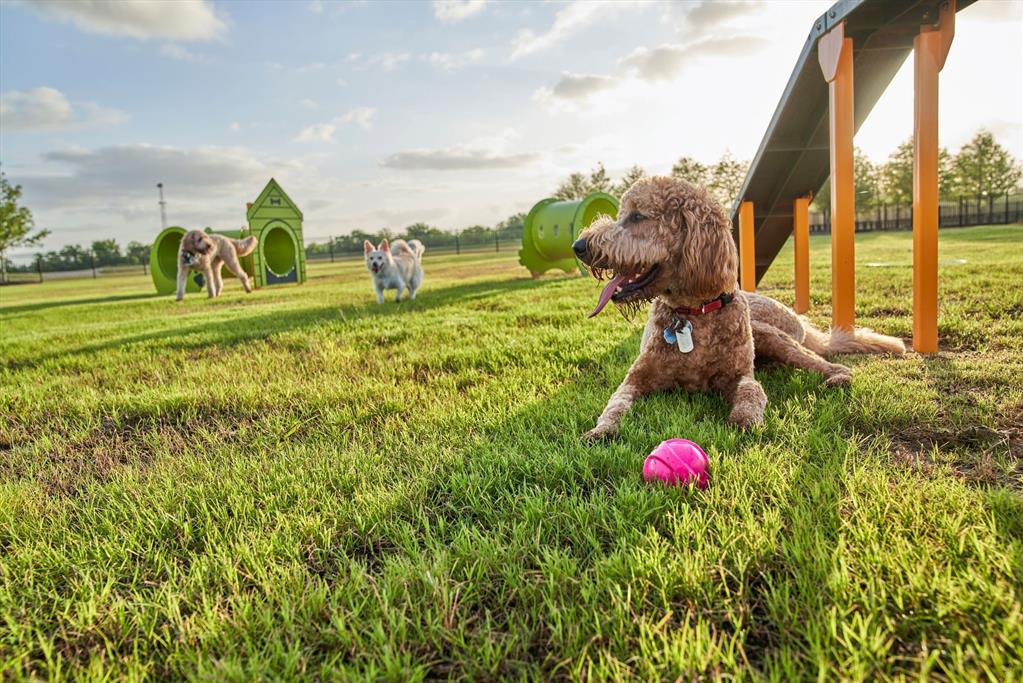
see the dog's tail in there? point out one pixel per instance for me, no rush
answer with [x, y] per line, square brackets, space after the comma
[860, 340]
[246, 246]
[414, 247]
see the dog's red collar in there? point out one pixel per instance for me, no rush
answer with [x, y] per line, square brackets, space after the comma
[707, 307]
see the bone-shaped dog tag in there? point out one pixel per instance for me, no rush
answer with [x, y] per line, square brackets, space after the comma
[685, 338]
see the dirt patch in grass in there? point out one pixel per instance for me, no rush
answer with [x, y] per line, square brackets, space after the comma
[979, 454]
[68, 461]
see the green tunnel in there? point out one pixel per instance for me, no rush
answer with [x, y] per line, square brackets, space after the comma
[163, 261]
[551, 226]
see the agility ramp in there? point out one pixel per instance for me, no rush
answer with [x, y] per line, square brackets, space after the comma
[850, 56]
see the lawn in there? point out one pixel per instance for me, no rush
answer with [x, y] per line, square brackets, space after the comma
[300, 483]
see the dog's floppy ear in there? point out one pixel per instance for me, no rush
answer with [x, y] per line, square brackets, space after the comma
[367, 247]
[385, 247]
[709, 257]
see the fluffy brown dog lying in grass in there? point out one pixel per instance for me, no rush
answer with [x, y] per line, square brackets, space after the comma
[208, 254]
[672, 245]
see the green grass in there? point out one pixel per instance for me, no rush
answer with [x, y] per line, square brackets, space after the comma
[302, 484]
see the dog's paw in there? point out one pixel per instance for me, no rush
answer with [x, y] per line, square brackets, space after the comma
[840, 379]
[599, 433]
[746, 419]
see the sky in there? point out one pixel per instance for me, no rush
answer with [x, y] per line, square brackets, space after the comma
[452, 112]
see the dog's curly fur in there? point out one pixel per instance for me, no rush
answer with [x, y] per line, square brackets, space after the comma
[675, 245]
[208, 254]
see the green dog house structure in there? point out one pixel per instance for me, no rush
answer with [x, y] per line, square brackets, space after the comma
[551, 226]
[279, 257]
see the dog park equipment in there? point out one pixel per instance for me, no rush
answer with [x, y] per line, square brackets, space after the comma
[279, 256]
[676, 462]
[552, 225]
[810, 137]
[277, 223]
[163, 260]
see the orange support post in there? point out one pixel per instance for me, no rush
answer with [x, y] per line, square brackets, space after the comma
[747, 249]
[834, 51]
[930, 47]
[801, 239]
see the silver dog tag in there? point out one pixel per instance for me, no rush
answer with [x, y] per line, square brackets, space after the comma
[685, 338]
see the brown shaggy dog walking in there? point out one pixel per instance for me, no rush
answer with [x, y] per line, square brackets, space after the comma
[208, 253]
[672, 245]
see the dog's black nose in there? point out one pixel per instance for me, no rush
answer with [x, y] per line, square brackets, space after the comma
[579, 247]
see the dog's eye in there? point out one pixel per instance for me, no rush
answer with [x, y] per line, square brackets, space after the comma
[636, 217]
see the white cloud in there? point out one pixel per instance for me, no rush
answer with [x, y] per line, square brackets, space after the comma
[456, 10]
[324, 132]
[46, 108]
[710, 13]
[179, 53]
[452, 62]
[93, 176]
[310, 68]
[143, 19]
[580, 86]
[308, 103]
[570, 19]
[457, 158]
[341, 82]
[388, 61]
[316, 6]
[235, 126]
[665, 62]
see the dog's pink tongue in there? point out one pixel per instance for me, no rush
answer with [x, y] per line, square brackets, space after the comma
[608, 292]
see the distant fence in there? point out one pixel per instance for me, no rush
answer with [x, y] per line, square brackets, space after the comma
[496, 241]
[41, 272]
[959, 213]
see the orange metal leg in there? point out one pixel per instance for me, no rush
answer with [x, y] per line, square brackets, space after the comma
[801, 238]
[835, 53]
[930, 48]
[747, 249]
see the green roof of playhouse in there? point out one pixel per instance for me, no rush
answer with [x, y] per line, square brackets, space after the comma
[272, 191]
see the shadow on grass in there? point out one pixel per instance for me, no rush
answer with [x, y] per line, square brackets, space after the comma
[45, 305]
[265, 324]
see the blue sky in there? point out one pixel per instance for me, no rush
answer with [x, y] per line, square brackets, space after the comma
[376, 115]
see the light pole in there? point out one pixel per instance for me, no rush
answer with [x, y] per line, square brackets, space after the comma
[163, 207]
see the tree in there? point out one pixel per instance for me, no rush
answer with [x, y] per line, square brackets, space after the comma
[107, 252]
[985, 168]
[896, 175]
[726, 178]
[137, 253]
[16, 223]
[866, 183]
[630, 177]
[692, 171]
[578, 185]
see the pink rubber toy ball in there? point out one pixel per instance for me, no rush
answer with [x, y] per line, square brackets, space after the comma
[676, 462]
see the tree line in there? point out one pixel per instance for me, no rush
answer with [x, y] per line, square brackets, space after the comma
[981, 170]
[508, 230]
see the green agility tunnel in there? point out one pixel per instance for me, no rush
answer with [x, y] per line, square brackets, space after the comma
[552, 226]
[163, 260]
[279, 257]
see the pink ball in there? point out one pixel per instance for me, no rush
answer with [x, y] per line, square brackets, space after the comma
[677, 461]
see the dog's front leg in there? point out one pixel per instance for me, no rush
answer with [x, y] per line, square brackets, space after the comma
[182, 279]
[207, 273]
[380, 293]
[748, 402]
[643, 378]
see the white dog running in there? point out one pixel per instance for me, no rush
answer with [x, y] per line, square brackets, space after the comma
[398, 266]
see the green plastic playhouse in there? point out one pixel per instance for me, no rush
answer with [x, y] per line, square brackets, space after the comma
[551, 226]
[279, 257]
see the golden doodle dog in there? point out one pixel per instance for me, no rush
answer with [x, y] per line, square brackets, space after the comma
[208, 254]
[672, 245]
